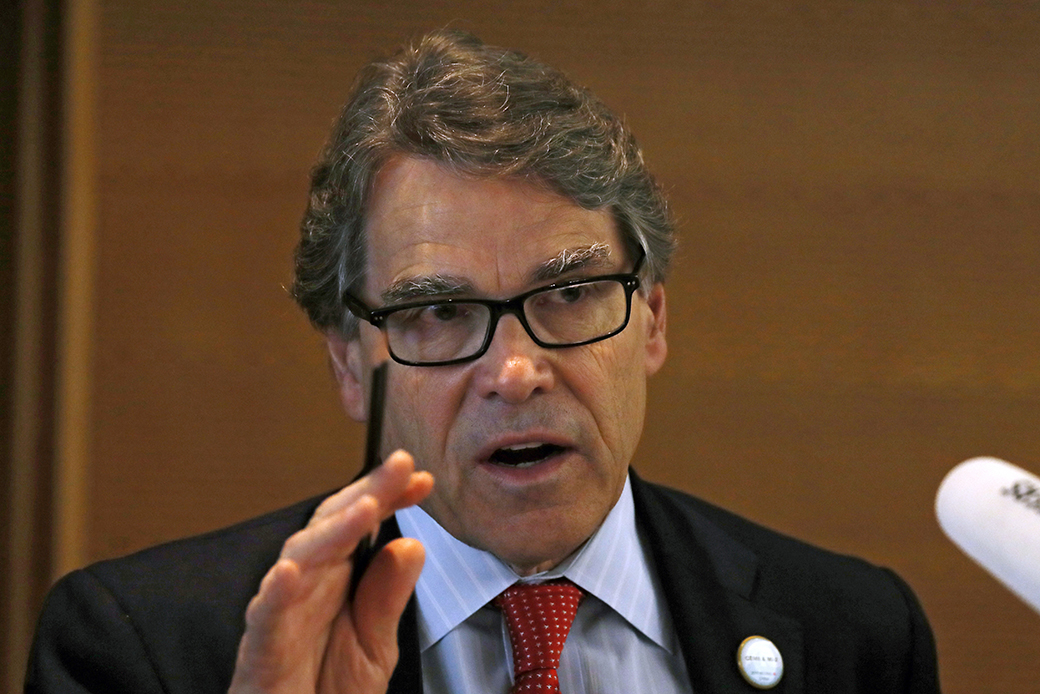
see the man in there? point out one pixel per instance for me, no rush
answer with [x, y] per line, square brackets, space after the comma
[490, 230]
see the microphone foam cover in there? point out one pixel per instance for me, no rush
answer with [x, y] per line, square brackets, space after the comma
[991, 510]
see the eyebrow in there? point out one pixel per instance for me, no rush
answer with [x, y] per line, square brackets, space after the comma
[417, 288]
[569, 260]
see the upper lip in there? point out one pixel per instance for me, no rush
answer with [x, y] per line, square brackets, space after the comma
[519, 439]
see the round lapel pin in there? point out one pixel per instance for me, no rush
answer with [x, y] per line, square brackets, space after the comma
[759, 662]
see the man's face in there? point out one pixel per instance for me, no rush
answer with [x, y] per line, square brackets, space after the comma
[572, 415]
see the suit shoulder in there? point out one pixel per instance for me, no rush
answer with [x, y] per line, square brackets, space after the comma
[759, 538]
[167, 618]
[789, 570]
[196, 583]
[245, 547]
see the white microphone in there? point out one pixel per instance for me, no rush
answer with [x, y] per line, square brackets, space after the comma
[991, 510]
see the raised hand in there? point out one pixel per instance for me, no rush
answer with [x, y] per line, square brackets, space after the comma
[302, 635]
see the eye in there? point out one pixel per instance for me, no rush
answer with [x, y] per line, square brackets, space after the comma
[436, 316]
[444, 312]
[572, 294]
[425, 315]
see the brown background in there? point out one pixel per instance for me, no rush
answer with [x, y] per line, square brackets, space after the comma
[853, 310]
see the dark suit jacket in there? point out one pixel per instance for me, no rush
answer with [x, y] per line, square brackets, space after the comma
[169, 619]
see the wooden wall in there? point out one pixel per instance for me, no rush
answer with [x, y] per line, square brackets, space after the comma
[854, 308]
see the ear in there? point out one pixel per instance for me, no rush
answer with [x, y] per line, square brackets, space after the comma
[347, 367]
[656, 344]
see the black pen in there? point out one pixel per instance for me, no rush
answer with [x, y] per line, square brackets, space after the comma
[364, 550]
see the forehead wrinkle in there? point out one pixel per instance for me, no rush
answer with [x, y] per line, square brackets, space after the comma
[596, 255]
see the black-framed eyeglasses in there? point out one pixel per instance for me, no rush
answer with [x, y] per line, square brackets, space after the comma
[441, 332]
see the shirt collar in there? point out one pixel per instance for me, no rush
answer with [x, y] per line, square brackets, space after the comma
[457, 580]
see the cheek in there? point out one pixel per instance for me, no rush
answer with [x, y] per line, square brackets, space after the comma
[615, 393]
[420, 412]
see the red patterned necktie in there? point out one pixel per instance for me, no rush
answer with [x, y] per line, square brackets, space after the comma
[539, 617]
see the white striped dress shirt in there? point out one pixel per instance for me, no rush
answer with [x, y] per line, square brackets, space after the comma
[622, 639]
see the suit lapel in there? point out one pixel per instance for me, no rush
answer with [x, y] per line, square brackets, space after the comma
[407, 677]
[708, 579]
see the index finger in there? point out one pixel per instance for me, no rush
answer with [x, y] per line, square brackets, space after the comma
[394, 485]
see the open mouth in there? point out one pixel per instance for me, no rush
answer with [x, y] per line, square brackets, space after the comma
[524, 455]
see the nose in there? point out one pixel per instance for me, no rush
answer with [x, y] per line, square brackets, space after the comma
[514, 368]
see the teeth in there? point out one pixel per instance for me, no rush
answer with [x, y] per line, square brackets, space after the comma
[521, 447]
[523, 466]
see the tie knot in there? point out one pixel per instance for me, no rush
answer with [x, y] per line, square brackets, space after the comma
[539, 617]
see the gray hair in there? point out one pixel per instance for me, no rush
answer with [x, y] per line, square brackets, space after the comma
[477, 110]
